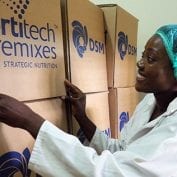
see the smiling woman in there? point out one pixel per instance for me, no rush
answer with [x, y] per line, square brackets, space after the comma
[157, 69]
[155, 72]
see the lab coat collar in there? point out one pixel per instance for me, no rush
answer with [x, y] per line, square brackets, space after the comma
[172, 108]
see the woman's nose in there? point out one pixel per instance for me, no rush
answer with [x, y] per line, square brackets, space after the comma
[140, 63]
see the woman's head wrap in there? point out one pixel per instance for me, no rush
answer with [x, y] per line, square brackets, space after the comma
[168, 34]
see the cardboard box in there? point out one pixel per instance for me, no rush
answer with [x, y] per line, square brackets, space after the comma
[97, 109]
[31, 49]
[121, 46]
[122, 103]
[16, 144]
[85, 45]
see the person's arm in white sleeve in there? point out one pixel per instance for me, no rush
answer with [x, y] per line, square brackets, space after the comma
[101, 142]
[56, 153]
[97, 138]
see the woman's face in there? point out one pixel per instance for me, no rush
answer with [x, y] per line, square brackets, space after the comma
[155, 73]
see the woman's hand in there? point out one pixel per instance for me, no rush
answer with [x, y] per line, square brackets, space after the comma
[77, 98]
[16, 114]
[78, 101]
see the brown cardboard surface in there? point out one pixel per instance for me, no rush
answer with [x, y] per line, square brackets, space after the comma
[121, 33]
[122, 103]
[86, 46]
[51, 109]
[31, 49]
[14, 139]
[97, 109]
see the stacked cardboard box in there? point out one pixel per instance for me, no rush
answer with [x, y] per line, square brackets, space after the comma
[121, 49]
[34, 65]
[97, 109]
[31, 57]
[36, 57]
[86, 56]
[32, 70]
[122, 102]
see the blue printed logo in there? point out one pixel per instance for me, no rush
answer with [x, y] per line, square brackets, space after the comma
[83, 42]
[107, 132]
[124, 118]
[18, 8]
[124, 47]
[80, 37]
[20, 29]
[13, 162]
[122, 44]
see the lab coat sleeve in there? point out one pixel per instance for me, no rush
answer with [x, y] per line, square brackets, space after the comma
[101, 142]
[56, 154]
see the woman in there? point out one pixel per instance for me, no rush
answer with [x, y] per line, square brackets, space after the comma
[148, 143]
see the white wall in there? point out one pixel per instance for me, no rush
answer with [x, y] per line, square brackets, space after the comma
[151, 14]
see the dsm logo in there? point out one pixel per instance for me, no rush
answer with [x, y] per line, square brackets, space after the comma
[13, 162]
[83, 42]
[124, 118]
[124, 47]
[80, 37]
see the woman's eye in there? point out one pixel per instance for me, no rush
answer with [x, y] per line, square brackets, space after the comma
[150, 59]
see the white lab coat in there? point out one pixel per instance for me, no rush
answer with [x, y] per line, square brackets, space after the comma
[146, 149]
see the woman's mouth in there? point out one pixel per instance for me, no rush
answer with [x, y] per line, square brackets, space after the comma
[140, 77]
